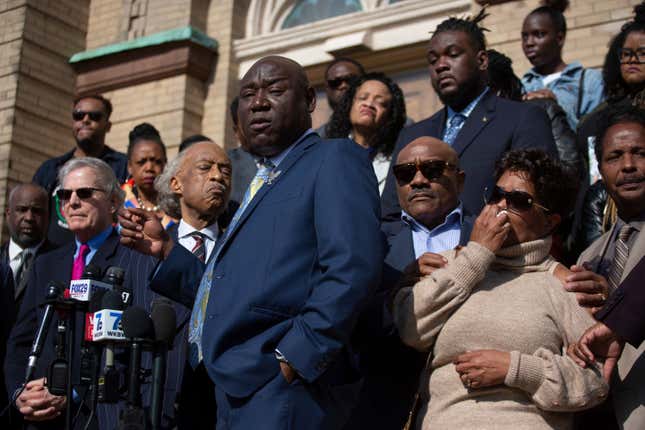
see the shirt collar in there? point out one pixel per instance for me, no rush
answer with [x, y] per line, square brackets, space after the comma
[277, 159]
[210, 231]
[569, 69]
[15, 249]
[468, 109]
[97, 241]
[456, 215]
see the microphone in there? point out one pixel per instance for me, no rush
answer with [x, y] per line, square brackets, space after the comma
[164, 320]
[116, 276]
[82, 289]
[54, 290]
[139, 329]
[109, 329]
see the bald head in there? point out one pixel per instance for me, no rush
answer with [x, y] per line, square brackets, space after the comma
[275, 105]
[429, 147]
[28, 214]
[428, 180]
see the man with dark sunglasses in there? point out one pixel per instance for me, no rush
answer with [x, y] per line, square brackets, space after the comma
[90, 123]
[433, 220]
[338, 75]
[479, 125]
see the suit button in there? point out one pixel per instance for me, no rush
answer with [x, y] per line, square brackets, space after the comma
[218, 276]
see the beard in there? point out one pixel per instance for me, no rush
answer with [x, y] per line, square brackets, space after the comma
[88, 144]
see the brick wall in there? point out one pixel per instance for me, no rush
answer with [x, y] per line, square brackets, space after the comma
[36, 83]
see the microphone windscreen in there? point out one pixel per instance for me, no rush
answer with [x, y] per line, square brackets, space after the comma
[111, 300]
[54, 289]
[96, 301]
[164, 320]
[115, 275]
[92, 271]
[137, 324]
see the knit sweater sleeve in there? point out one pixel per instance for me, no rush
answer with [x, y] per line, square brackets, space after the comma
[553, 380]
[421, 311]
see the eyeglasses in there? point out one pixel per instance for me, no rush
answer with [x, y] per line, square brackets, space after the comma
[627, 54]
[79, 115]
[83, 193]
[430, 169]
[516, 200]
[335, 83]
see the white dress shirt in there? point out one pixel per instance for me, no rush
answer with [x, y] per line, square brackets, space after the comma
[185, 230]
[15, 256]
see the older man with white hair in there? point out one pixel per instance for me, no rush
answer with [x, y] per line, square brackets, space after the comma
[90, 197]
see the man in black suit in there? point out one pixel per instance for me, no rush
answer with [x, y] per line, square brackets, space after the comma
[90, 124]
[202, 196]
[27, 219]
[478, 125]
[429, 181]
[90, 196]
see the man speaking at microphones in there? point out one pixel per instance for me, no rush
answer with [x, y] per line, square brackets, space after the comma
[90, 196]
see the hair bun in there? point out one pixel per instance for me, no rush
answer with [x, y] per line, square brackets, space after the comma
[560, 5]
[144, 130]
[639, 12]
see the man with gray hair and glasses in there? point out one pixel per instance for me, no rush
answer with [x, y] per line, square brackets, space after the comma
[90, 197]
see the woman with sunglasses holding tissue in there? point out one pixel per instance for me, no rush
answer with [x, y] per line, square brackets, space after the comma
[372, 113]
[495, 318]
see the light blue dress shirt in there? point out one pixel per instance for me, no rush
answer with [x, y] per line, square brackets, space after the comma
[94, 243]
[443, 237]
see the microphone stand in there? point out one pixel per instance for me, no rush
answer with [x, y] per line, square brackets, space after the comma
[70, 360]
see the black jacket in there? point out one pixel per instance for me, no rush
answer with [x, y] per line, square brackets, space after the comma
[590, 227]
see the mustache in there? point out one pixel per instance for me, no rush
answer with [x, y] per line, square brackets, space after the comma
[426, 192]
[630, 179]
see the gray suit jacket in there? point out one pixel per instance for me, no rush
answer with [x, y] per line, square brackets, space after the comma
[628, 389]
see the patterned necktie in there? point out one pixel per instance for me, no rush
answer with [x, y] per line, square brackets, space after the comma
[199, 249]
[195, 352]
[453, 128]
[26, 259]
[79, 261]
[620, 256]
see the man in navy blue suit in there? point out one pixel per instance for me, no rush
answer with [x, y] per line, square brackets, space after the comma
[292, 271]
[479, 125]
[429, 181]
[90, 196]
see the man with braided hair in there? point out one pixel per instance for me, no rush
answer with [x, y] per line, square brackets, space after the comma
[479, 125]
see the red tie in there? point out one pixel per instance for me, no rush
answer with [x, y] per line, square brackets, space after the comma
[79, 261]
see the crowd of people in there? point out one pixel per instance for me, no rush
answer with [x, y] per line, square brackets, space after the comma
[478, 269]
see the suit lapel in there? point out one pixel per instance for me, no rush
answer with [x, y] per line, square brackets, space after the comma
[438, 124]
[279, 173]
[106, 251]
[402, 247]
[480, 117]
[635, 254]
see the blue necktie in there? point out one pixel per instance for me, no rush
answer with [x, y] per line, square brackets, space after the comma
[456, 122]
[197, 317]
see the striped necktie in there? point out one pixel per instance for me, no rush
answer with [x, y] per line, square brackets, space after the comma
[620, 256]
[195, 351]
[199, 249]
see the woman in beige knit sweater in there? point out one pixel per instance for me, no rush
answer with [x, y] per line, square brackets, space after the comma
[497, 319]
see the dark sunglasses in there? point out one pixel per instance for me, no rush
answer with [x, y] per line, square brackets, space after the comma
[516, 200]
[79, 115]
[335, 83]
[84, 193]
[430, 169]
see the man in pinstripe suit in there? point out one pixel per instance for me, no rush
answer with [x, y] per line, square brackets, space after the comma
[91, 197]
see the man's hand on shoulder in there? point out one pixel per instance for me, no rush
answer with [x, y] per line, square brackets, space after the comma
[591, 289]
[598, 342]
[142, 231]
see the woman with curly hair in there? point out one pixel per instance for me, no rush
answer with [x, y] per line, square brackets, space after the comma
[495, 319]
[372, 112]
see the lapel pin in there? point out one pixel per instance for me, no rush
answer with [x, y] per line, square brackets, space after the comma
[273, 176]
[484, 119]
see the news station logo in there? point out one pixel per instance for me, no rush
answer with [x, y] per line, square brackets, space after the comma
[79, 289]
[107, 325]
